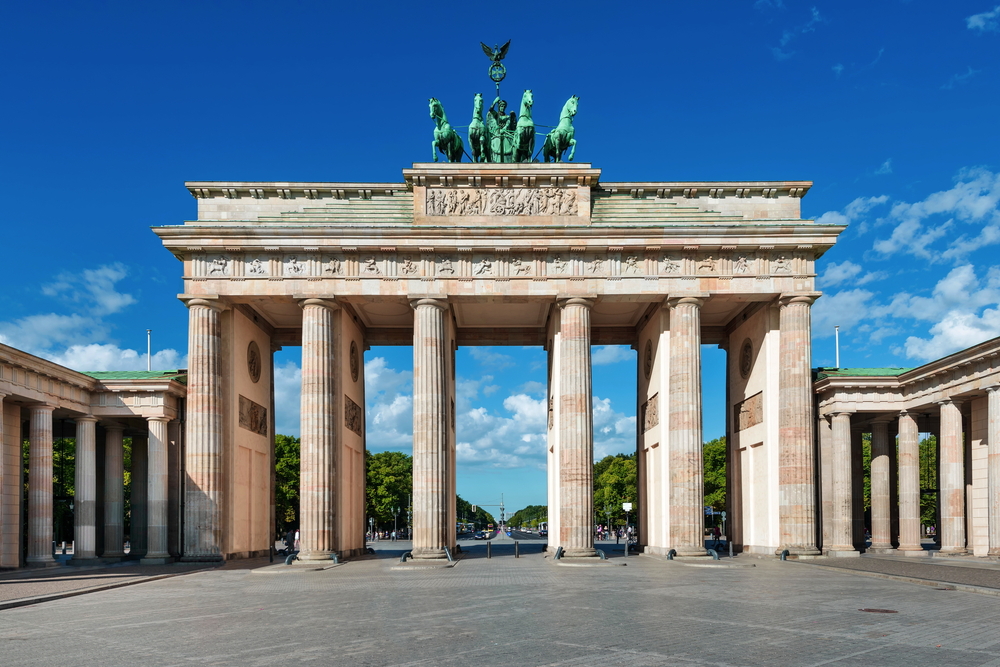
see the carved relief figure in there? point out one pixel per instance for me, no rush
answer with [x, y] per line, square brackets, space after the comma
[371, 266]
[671, 265]
[408, 267]
[334, 267]
[632, 265]
[707, 265]
[597, 266]
[294, 268]
[218, 266]
[446, 266]
[520, 268]
[741, 265]
[501, 201]
[558, 265]
[257, 268]
[782, 264]
[485, 267]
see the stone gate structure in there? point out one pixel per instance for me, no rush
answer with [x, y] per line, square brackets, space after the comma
[498, 254]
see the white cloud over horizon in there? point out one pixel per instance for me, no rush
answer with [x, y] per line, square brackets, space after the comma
[985, 22]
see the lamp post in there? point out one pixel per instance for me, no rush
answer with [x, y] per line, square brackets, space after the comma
[395, 513]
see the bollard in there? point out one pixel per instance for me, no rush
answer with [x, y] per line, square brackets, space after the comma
[489, 550]
[730, 548]
[270, 554]
[517, 549]
[671, 554]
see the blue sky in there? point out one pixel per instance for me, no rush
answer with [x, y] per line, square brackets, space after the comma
[890, 107]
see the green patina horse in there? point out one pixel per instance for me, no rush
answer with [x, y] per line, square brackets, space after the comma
[477, 131]
[561, 138]
[524, 134]
[446, 139]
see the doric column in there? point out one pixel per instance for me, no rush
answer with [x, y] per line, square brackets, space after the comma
[157, 470]
[319, 438]
[576, 431]
[137, 497]
[880, 483]
[993, 471]
[40, 487]
[431, 523]
[909, 484]
[843, 502]
[203, 458]
[796, 448]
[952, 472]
[85, 500]
[687, 487]
[114, 493]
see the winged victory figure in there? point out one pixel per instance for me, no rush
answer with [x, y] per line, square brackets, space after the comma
[495, 54]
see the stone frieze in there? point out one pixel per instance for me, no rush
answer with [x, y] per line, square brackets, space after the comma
[501, 201]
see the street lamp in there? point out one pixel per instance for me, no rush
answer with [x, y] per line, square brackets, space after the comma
[395, 513]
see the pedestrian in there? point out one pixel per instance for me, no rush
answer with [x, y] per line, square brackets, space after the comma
[298, 540]
[290, 540]
[716, 534]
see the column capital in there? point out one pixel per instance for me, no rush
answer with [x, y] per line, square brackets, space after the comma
[989, 390]
[436, 302]
[114, 427]
[42, 407]
[159, 418]
[584, 302]
[326, 302]
[881, 420]
[957, 402]
[691, 300]
[204, 301]
[805, 299]
[86, 418]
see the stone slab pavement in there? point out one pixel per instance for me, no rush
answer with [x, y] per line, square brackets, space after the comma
[510, 611]
[972, 573]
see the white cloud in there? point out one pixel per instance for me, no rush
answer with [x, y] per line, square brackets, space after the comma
[790, 34]
[853, 212]
[960, 79]
[987, 21]
[287, 398]
[611, 354]
[95, 287]
[107, 357]
[886, 168]
[35, 334]
[844, 309]
[958, 330]
[838, 69]
[839, 273]
[486, 356]
[389, 406]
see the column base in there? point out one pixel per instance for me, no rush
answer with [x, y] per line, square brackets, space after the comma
[914, 552]
[880, 549]
[156, 559]
[42, 561]
[429, 553]
[993, 553]
[691, 552]
[586, 552]
[952, 551]
[316, 555]
[844, 552]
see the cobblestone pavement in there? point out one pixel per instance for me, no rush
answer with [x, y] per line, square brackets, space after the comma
[507, 611]
[954, 572]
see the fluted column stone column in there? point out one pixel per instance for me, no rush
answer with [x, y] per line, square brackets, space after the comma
[114, 493]
[40, 487]
[993, 471]
[909, 485]
[687, 487]
[880, 492]
[952, 472]
[318, 434]
[203, 458]
[576, 431]
[843, 501]
[85, 500]
[796, 446]
[157, 470]
[431, 523]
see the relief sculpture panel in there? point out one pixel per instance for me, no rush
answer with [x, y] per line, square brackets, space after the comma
[354, 418]
[253, 417]
[501, 201]
[749, 412]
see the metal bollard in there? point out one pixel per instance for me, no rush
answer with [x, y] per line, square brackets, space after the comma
[517, 549]
[489, 550]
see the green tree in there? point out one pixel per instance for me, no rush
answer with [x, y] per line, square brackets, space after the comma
[389, 484]
[928, 481]
[286, 482]
[714, 453]
[530, 516]
[481, 518]
[615, 482]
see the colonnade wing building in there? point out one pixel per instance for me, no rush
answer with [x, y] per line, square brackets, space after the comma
[499, 254]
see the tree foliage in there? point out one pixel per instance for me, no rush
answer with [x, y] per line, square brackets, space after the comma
[714, 453]
[615, 482]
[286, 482]
[530, 516]
[481, 518]
[389, 484]
[928, 481]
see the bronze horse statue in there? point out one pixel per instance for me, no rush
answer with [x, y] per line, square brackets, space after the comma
[446, 139]
[477, 131]
[561, 138]
[524, 134]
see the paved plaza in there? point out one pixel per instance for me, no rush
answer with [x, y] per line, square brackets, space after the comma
[511, 611]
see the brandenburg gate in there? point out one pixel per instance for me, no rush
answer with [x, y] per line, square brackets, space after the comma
[499, 254]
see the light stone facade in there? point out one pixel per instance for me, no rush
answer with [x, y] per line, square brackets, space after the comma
[495, 254]
[41, 401]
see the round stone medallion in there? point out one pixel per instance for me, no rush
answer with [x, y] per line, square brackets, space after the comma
[746, 358]
[354, 361]
[253, 361]
[647, 364]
